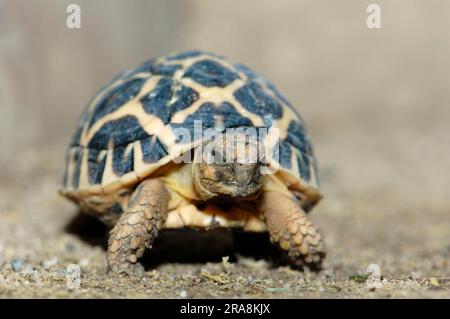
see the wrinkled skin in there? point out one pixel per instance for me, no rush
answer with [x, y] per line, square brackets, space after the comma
[228, 172]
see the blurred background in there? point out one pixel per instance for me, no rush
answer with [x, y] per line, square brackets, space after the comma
[376, 103]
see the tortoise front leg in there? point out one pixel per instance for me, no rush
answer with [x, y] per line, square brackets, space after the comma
[138, 227]
[291, 229]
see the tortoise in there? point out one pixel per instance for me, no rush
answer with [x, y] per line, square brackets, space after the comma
[129, 165]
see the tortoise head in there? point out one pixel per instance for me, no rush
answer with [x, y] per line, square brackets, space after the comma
[228, 168]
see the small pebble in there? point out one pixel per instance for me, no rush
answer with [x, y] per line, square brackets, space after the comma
[83, 262]
[70, 247]
[183, 294]
[73, 276]
[226, 264]
[50, 262]
[17, 264]
[28, 270]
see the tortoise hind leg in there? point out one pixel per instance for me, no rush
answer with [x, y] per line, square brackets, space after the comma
[137, 227]
[291, 229]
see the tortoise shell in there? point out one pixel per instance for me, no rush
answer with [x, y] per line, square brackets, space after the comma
[127, 131]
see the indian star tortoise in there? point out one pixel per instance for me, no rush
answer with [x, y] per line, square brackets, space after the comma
[123, 163]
